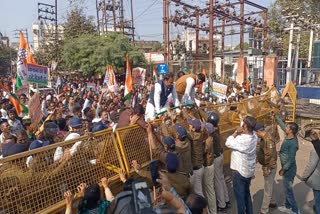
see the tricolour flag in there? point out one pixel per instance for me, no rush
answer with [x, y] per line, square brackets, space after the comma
[106, 77]
[248, 83]
[24, 57]
[112, 82]
[15, 101]
[155, 76]
[128, 83]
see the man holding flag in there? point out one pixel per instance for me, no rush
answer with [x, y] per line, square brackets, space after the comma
[158, 99]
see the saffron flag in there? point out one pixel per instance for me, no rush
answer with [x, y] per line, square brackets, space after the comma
[128, 84]
[155, 76]
[106, 77]
[204, 87]
[24, 57]
[15, 101]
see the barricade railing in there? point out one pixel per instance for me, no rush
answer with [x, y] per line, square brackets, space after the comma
[34, 181]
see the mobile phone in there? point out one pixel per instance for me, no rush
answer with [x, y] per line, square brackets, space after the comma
[142, 198]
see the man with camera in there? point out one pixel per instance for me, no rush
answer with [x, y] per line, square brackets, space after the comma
[243, 144]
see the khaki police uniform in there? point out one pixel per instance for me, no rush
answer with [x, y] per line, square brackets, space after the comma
[267, 157]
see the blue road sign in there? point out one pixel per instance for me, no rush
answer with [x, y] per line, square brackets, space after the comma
[162, 68]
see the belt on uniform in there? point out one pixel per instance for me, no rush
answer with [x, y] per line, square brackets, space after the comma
[217, 155]
[197, 167]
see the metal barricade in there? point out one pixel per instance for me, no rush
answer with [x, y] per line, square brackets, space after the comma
[134, 144]
[35, 181]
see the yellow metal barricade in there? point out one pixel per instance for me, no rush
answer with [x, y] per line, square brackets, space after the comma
[290, 95]
[35, 181]
[134, 144]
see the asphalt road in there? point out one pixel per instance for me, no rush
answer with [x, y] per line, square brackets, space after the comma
[303, 193]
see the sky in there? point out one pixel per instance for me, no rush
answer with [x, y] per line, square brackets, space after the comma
[20, 14]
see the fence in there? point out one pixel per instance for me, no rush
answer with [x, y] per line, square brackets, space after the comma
[299, 72]
[226, 68]
[34, 181]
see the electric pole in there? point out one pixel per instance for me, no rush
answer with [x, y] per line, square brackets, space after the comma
[48, 12]
[165, 34]
[25, 33]
[132, 21]
[98, 19]
[211, 36]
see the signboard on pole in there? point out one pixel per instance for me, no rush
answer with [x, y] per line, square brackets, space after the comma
[37, 74]
[162, 68]
[35, 109]
[219, 90]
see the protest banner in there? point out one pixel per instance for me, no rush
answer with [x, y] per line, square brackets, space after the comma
[138, 76]
[35, 112]
[37, 74]
[219, 90]
[91, 85]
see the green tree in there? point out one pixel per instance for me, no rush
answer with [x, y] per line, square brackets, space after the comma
[278, 37]
[245, 46]
[90, 54]
[7, 56]
[78, 24]
[50, 51]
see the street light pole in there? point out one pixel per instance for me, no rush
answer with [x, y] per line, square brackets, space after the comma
[288, 76]
[296, 61]
[310, 55]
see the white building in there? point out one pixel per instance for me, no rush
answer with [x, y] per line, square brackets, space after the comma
[189, 37]
[44, 31]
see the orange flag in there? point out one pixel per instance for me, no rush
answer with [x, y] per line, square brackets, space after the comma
[24, 57]
[128, 84]
[14, 101]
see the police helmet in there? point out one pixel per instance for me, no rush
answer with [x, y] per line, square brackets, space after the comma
[213, 118]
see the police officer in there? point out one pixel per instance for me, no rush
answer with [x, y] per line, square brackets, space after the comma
[222, 195]
[267, 157]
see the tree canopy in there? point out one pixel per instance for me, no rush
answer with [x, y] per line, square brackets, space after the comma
[245, 46]
[78, 24]
[278, 37]
[6, 58]
[91, 54]
[82, 49]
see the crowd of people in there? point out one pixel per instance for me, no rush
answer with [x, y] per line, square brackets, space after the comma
[188, 150]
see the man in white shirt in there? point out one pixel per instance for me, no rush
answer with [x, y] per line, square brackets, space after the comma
[16, 125]
[243, 144]
[158, 99]
[3, 111]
